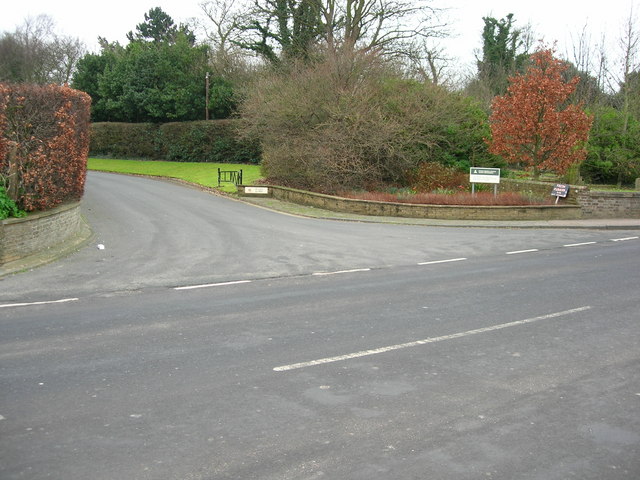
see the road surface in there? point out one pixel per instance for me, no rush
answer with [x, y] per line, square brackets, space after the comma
[215, 340]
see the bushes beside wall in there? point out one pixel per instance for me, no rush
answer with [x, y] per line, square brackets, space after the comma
[44, 143]
[214, 141]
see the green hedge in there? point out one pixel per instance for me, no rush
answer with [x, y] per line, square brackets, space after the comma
[216, 141]
[124, 140]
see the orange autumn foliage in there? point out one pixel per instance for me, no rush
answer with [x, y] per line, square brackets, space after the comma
[44, 143]
[532, 125]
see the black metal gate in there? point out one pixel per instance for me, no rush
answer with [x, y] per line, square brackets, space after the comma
[230, 176]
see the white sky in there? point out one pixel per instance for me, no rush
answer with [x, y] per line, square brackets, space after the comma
[554, 20]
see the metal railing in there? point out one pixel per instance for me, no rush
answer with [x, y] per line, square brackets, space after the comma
[230, 176]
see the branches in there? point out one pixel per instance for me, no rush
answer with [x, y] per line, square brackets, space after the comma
[34, 53]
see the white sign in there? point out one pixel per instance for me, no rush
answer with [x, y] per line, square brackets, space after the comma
[484, 175]
[258, 190]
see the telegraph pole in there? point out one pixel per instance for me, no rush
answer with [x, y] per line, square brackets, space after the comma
[206, 98]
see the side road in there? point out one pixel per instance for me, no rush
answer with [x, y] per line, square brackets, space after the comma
[306, 211]
[55, 253]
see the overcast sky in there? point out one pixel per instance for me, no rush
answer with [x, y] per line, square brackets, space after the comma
[553, 20]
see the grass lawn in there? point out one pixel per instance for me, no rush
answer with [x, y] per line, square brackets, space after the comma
[205, 174]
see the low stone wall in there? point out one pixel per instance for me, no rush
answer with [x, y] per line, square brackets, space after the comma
[610, 204]
[540, 189]
[442, 212]
[21, 237]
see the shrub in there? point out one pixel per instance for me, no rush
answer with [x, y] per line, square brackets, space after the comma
[430, 176]
[613, 149]
[206, 141]
[124, 140]
[8, 207]
[44, 142]
[214, 141]
[352, 122]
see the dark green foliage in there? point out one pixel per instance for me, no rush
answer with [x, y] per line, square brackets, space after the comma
[204, 141]
[500, 52]
[124, 140]
[213, 141]
[158, 77]
[154, 82]
[462, 145]
[158, 27]
[88, 76]
[8, 207]
[613, 153]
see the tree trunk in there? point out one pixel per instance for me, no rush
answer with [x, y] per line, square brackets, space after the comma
[13, 180]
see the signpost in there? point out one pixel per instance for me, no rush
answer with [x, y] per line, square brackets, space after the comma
[560, 190]
[484, 175]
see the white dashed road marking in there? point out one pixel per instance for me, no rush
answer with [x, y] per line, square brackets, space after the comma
[376, 351]
[343, 271]
[64, 300]
[624, 239]
[208, 285]
[579, 244]
[531, 250]
[442, 261]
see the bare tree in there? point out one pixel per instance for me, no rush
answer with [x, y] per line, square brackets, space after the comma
[430, 63]
[630, 50]
[222, 26]
[389, 26]
[298, 29]
[34, 53]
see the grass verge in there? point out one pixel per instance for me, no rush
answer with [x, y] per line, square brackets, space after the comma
[205, 174]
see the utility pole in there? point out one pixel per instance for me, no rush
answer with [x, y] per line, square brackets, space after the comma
[206, 98]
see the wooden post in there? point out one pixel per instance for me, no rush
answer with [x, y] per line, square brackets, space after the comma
[206, 98]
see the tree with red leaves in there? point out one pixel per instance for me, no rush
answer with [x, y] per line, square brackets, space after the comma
[532, 125]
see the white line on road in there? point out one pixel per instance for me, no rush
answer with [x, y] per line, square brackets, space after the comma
[522, 251]
[343, 271]
[207, 285]
[579, 244]
[64, 300]
[442, 261]
[624, 239]
[376, 351]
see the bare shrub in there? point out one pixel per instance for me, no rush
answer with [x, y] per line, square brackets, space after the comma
[429, 176]
[347, 122]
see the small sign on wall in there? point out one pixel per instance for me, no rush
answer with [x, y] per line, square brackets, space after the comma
[560, 190]
[257, 190]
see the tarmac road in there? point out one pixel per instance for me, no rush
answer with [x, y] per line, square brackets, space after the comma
[157, 234]
[211, 339]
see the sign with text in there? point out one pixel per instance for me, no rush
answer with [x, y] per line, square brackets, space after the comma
[484, 175]
[257, 190]
[560, 190]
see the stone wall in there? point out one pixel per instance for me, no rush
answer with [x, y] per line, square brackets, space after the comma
[21, 237]
[610, 204]
[539, 189]
[442, 212]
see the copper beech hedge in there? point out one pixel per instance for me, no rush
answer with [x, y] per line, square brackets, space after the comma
[44, 144]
